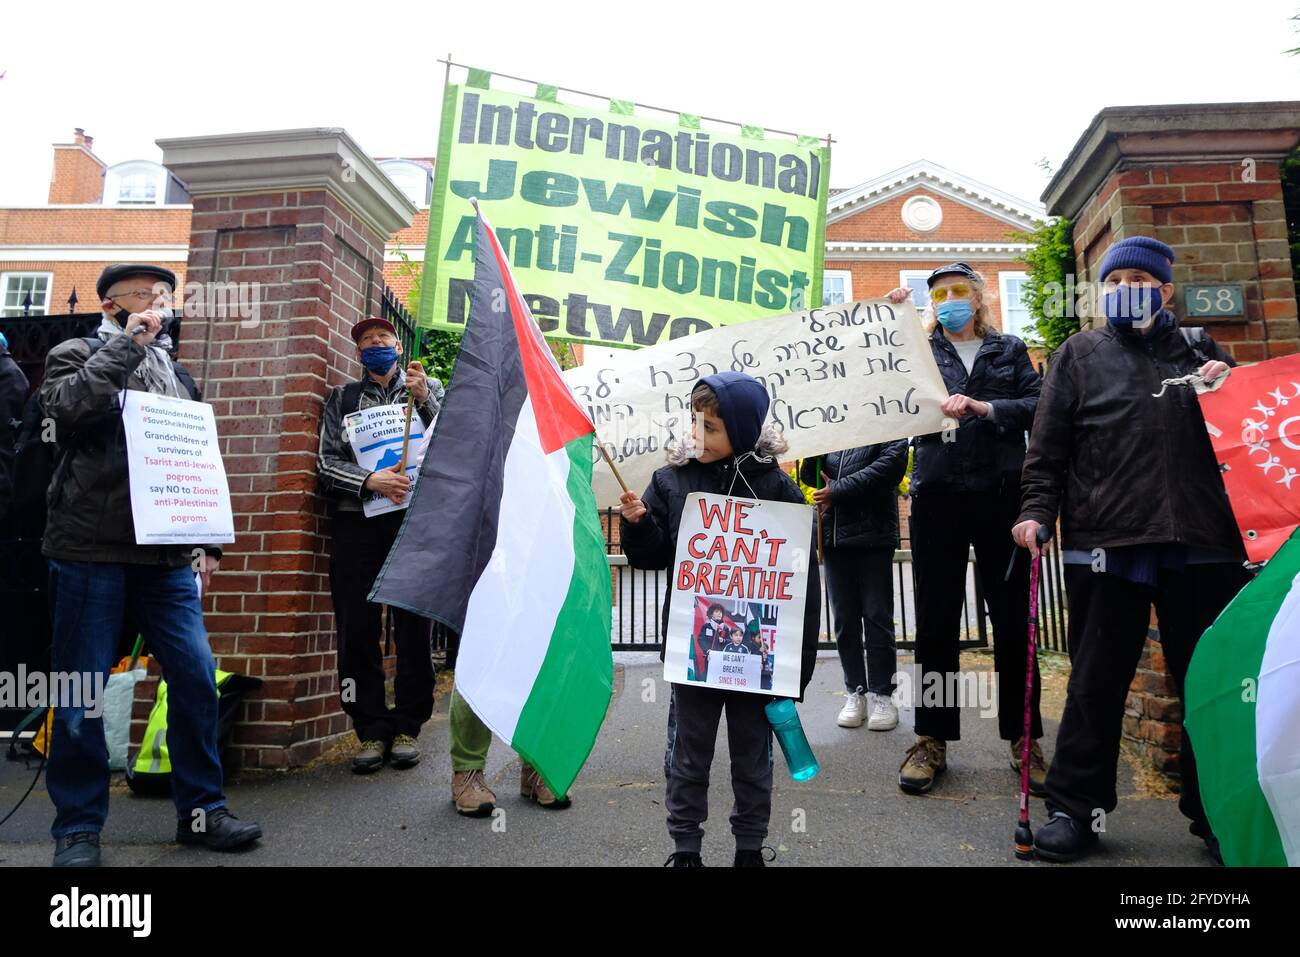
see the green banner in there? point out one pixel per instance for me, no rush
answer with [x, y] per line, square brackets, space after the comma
[623, 230]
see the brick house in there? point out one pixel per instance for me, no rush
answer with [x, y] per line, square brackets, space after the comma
[893, 230]
[97, 214]
[134, 211]
[886, 232]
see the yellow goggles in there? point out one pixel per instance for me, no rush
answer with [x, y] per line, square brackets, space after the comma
[959, 290]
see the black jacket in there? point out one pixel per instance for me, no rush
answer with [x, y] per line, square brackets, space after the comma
[651, 543]
[864, 494]
[987, 453]
[337, 472]
[89, 496]
[188, 385]
[13, 395]
[1118, 465]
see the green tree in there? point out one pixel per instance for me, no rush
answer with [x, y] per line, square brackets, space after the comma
[440, 347]
[437, 348]
[1049, 262]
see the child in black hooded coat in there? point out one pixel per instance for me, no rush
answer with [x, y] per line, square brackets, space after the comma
[736, 456]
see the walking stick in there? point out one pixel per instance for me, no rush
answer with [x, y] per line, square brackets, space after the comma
[1024, 840]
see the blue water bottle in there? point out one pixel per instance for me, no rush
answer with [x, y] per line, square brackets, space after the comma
[784, 720]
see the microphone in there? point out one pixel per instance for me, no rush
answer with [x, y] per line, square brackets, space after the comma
[163, 314]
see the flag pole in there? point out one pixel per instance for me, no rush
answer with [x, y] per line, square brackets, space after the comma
[568, 347]
[610, 463]
[820, 559]
[406, 439]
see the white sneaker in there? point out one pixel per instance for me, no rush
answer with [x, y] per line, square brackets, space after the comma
[884, 714]
[854, 711]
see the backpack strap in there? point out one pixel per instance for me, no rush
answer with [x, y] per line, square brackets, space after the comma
[351, 397]
[1197, 341]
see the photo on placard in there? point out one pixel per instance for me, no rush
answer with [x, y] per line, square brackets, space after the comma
[730, 637]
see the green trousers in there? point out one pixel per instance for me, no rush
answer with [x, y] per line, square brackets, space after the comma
[470, 737]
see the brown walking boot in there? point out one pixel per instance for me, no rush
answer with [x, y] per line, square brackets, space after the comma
[1037, 766]
[472, 796]
[925, 761]
[405, 752]
[534, 788]
[370, 758]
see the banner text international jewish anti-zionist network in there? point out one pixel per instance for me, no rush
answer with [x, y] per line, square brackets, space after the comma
[622, 229]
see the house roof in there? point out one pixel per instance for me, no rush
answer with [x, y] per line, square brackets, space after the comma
[1011, 209]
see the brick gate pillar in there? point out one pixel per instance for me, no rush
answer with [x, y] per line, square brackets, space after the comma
[286, 253]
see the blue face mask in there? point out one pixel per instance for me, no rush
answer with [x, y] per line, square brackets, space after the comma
[1129, 307]
[954, 314]
[379, 359]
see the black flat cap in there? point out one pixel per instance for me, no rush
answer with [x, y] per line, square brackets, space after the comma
[952, 269]
[112, 274]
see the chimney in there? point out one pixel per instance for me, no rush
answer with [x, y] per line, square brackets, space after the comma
[78, 175]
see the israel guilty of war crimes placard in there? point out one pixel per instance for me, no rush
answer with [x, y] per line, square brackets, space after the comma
[623, 229]
[740, 580]
[376, 436]
[838, 376]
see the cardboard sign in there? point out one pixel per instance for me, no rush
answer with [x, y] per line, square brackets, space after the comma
[740, 581]
[839, 377]
[179, 493]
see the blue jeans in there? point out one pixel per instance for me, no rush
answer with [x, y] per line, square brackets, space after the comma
[88, 604]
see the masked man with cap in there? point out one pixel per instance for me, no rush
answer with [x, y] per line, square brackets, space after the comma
[99, 576]
[966, 494]
[1145, 521]
[360, 545]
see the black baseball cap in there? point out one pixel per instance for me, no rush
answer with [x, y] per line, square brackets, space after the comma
[112, 274]
[952, 269]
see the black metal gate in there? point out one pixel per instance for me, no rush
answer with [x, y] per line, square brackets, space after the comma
[637, 601]
[391, 308]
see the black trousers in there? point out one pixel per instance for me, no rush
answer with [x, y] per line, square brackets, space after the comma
[693, 715]
[945, 525]
[861, 588]
[357, 551]
[1109, 619]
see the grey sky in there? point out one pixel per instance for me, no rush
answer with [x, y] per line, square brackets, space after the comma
[984, 89]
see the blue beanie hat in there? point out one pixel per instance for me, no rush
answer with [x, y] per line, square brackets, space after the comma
[742, 406]
[1139, 252]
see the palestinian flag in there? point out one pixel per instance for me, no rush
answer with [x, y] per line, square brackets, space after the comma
[1243, 716]
[502, 540]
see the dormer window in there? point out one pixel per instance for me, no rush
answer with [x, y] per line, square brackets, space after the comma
[137, 183]
[413, 179]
